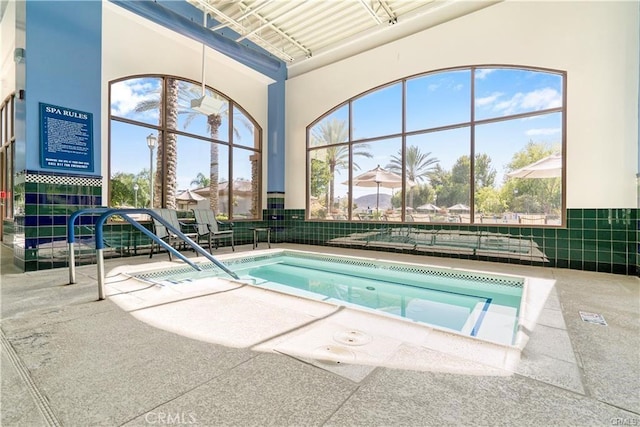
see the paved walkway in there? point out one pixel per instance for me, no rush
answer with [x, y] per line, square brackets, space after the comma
[68, 359]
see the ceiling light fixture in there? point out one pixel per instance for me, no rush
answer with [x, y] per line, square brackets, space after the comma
[206, 104]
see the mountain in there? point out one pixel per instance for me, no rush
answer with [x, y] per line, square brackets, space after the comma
[369, 202]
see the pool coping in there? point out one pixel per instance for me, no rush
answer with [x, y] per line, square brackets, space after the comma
[478, 352]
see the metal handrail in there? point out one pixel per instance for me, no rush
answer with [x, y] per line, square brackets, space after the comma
[71, 237]
[99, 237]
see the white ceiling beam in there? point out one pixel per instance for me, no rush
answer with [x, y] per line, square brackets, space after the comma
[268, 23]
[372, 12]
[241, 29]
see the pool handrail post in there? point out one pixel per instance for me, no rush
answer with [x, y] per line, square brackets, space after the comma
[71, 238]
[100, 263]
[124, 213]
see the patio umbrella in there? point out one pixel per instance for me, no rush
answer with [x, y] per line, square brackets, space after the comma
[547, 167]
[459, 208]
[189, 197]
[379, 177]
[428, 207]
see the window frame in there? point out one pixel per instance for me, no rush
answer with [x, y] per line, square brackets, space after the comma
[162, 129]
[472, 123]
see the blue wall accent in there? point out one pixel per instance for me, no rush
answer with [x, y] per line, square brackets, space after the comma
[64, 61]
[275, 138]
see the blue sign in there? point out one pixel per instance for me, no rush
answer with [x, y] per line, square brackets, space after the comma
[66, 139]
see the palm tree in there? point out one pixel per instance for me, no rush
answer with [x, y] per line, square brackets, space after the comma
[178, 101]
[200, 181]
[168, 144]
[330, 132]
[418, 166]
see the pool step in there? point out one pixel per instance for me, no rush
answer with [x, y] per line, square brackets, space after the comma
[499, 324]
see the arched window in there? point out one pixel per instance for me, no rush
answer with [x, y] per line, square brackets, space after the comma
[7, 162]
[163, 153]
[475, 145]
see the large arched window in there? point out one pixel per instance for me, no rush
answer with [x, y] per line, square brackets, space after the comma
[7, 161]
[163, 153]
[475, 145]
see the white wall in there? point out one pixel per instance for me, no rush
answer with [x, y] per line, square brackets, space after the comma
[132, 45]
[595, 42]
[7, 45]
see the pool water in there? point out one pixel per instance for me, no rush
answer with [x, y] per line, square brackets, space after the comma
[471, 303]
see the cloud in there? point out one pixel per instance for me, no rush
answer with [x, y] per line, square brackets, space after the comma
[540, 99]
[483, 72]
[480, 102]
[126, 95]
[542, 131]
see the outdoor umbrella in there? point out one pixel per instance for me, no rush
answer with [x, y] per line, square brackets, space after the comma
[428, 207]
[459, 208]
[379, 177]
[189, 196]
[547, 167]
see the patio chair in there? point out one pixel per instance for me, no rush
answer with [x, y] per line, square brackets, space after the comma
[420, 217]
[532, 219]
[392, 216]
[208, 227]
[170, 216]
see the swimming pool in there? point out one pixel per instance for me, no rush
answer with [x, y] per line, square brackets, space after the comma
[475, 304]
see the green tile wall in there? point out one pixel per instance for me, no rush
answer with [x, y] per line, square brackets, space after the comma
[42, 205]
[604, 240]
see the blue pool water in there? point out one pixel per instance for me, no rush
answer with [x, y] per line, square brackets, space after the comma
[457, 300]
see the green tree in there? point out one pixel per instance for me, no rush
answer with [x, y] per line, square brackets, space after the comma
[320, 178]
[460, 181]
[418, 166]
[122, 189]
[485, 174]
[442, 184]
[489, 200]
[533, 195]
[422, 194]
[200, 181]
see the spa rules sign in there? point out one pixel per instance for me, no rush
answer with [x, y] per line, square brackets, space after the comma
[66, 139]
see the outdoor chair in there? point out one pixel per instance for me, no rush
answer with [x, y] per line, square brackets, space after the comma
[208, 227]
[393, 216]
[532, 219]
[420, 217]
[171, 217]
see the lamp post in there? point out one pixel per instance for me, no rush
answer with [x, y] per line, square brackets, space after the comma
[135, 195]
[151, 143]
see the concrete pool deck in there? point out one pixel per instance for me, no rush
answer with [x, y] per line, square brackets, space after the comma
[68, 359]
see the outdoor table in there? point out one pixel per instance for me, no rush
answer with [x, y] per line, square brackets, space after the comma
[256, 232]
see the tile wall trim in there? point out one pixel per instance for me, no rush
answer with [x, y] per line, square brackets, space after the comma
[65, 180]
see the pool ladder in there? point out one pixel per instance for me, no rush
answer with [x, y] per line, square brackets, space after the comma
[105, 213]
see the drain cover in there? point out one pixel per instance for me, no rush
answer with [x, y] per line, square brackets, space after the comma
[593, 318]
[352, 337]
[333, 354]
